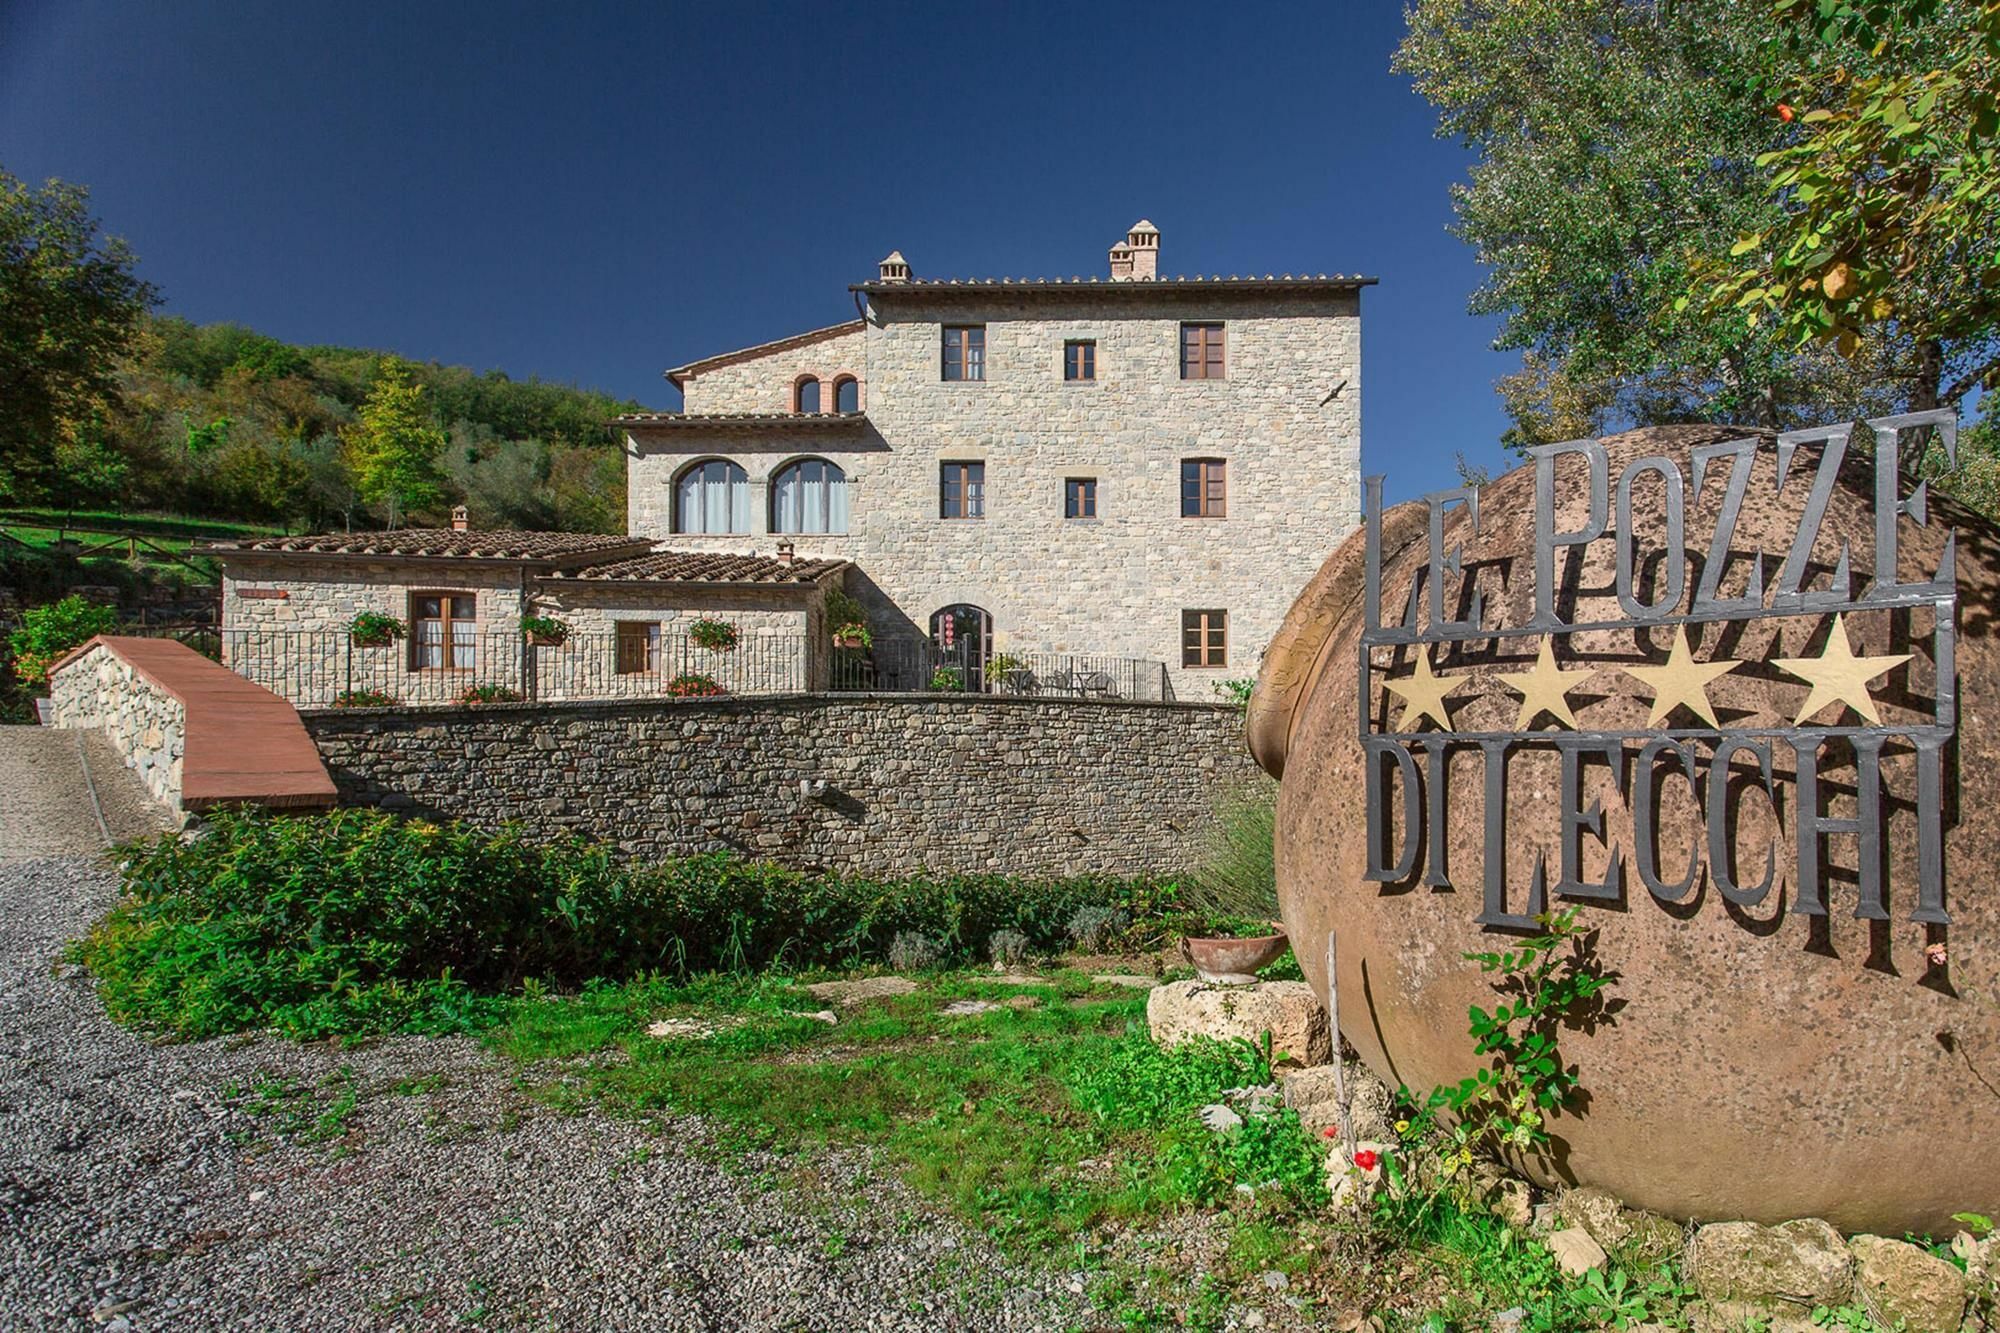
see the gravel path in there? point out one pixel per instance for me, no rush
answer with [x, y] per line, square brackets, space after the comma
[137, 1193]
[47, 779]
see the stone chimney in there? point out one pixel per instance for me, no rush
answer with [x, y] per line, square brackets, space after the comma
[461, 518]
[787, 553]
[1137, 257]
[895, 268]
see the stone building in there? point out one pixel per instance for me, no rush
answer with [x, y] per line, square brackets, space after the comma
[1131, 467]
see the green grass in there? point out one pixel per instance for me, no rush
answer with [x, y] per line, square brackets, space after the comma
[177, 527]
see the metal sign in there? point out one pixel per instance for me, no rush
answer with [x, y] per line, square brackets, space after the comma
[1445, 609]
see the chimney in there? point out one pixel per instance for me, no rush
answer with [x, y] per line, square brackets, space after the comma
[461, 518]
[786, 553]
[895, 268]
[1137, 257]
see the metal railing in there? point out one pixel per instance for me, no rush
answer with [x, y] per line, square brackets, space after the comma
[326, 668]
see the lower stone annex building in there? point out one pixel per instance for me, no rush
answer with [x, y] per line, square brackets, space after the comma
[1066, 473]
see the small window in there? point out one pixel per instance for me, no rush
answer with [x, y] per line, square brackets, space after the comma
[638, 646]
[444, 631]
[1204, 490]
[1201, 351]
[1080, 360]
[805, 395]
[847, 394]
[1204, 638]
[962, 490]
[965, 351]
[1080, 497]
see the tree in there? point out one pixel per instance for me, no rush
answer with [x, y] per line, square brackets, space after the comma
[70, 309]
[1616, 144]
[1887, 192]
[393, 449]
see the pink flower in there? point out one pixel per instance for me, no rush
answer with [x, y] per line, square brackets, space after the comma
[1330, 1131]
[1367, 1159]
[1936, 955]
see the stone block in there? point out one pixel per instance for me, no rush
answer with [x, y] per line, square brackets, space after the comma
[1287, 1014]
[1798, 1264]
[1313, 1093]
[1901, 1283]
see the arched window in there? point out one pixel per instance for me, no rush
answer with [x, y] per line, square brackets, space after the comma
[712, 496]
[809, 496]
[805, 395]
[847, 394]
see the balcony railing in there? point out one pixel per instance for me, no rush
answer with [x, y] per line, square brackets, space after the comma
[318, 669]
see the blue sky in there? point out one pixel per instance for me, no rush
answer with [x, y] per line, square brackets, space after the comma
[594, 192]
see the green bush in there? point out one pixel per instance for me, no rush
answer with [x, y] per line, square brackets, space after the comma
[47, 632]
[1238, 876]
[355, 921]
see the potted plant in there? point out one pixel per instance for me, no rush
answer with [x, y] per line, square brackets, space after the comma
[718, 636]
[694, 685]
[372, 629]
[363, 699]
[1233, 894]
[488, 694]
[545, 631]
[947, 679]
[1009, 671]
[853, 634]
[843, 610]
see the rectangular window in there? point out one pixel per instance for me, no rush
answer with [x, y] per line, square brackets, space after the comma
[1201, 351]
[1204, 638]
[965, 351]
[638, 646]
[1080, 497]
[962, 490]
[443, 631]
[1204, 490]
[1080, 360]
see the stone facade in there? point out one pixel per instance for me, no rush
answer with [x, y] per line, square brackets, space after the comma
[944, 783]
[285, 622]
[1285, 421]
[145, 724]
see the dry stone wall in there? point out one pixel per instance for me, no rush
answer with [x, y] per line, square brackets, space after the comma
[946, 783]
[146, 724]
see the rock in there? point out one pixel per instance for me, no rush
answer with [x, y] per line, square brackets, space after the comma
[1737, 1316]
[958, 1008]
[1508, 1320]
[1128, 979]
[1275, 1280]
[690, 1028]
[1801, 1264]
[1219, 1118]
[1900, 1282]
[1597, 1212]
[1312, 1092]
[1287, 1012]
[1025, 979]
[1576, 1253]
[861, 988]
[1512, 1200]
[826, 1016]
[1713, 1046]
[1352, 1179]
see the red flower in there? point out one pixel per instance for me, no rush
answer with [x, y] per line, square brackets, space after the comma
[1785, 112]
[1366, 1159]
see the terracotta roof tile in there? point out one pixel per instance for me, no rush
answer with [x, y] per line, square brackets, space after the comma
[709, 567]
[680, 373]
[738, 421]
[443, 542]
[1125, 286]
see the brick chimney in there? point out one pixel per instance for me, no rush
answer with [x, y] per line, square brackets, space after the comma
[461, 518]
[787, 553]
[895, 268]
[1137, 257]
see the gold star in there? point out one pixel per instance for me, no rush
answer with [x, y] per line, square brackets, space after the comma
[1838, 676]
[1542, 690]
[1682, 680]
[1423, 693]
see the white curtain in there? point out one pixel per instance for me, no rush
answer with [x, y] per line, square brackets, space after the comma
[810, 496]
[713, 497]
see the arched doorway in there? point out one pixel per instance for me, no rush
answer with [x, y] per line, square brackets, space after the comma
[962, 635]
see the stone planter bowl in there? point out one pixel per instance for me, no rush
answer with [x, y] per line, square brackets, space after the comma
[548, 640]
[1234, 962]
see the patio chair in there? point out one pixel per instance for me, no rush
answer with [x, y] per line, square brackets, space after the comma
[1097, 684]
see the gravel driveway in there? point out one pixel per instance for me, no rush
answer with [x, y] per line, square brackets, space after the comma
[138, 1192]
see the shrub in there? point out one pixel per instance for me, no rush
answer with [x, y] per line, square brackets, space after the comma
[1238, 874]
[363, 699]
[694, 685]
[947, 680]
[1095, 928]
[355, 921]
[48, 632]
[914, 952]
[545, 629]
[372, 629]
[488, 694]
[716, 635]
[1007, 948]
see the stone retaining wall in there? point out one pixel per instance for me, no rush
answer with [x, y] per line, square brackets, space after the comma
[146, 724]
[942, 783]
